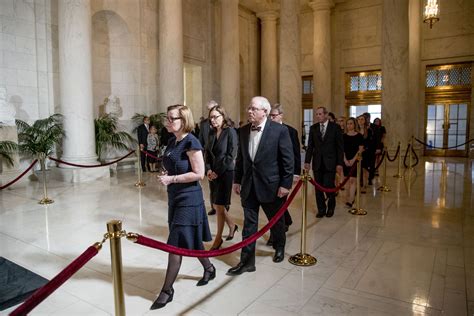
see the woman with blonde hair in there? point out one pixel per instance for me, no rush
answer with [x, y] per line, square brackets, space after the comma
[187, 218]
[220, 163]
[353, 144]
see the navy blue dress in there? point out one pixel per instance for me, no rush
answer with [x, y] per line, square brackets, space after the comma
[187, 218]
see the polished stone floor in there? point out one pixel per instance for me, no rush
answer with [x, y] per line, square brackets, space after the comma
[413, 254]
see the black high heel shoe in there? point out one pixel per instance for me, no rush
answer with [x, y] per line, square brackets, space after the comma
[207, 276]
[218, 246]
[230, 237]
[158, 305]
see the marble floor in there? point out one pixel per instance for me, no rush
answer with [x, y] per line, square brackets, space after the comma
[413, 254]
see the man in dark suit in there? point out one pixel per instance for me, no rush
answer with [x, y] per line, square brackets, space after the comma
[276, 115]
[326, 150]
[204, 130]
[142, 133]
[263, 177]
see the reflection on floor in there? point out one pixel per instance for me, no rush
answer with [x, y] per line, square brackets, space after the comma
[412, 254]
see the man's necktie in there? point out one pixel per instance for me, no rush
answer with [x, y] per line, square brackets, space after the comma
[256, 128]
[323, 130]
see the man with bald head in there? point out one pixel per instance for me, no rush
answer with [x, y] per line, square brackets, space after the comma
[263, 178]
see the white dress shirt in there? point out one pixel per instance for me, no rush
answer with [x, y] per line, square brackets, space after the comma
[254, 139]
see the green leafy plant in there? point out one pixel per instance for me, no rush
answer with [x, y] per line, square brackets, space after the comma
[155, 120]
[107, 135]
[41, 137]
[7, 149]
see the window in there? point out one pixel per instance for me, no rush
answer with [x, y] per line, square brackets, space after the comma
[450, 75]
[364, 93]
[365, 81]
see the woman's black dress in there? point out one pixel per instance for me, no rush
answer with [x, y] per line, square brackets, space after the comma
[351, 147]
[187, 218]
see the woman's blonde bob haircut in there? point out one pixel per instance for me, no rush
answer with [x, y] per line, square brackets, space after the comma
[185, 115]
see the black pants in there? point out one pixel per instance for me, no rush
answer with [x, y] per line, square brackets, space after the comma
[251, 209]
[143, 160]
[325, 178]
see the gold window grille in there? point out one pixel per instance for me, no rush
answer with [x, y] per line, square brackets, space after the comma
[449, 82]
[364, 87]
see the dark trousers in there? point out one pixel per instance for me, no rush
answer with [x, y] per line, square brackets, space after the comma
[371, 163]
[325, 178]
[143, 160]
[251, 209]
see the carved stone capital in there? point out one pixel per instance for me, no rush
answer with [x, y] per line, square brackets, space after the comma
[320, 5]
[268, 16]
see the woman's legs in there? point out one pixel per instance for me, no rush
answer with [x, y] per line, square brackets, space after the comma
[230, 223]
[174, 263]
[352, 189]
[220, 209]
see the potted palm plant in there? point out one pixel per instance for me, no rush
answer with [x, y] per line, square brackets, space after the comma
[38, 140]
[108, 136]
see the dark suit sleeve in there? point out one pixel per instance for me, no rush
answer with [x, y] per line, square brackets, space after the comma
[310, 149]
[227, 161]
[286, 162]
[238, 171]
[142, 135]
[339, 147]
[296, 150]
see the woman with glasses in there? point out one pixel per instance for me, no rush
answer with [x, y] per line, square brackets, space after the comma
[220, 162]
[187, 219]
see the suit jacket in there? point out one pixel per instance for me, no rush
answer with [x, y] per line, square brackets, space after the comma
[296, 149]
[204, 129]
[142, 135]
[221, 152]
[272, 167]
[329, 150]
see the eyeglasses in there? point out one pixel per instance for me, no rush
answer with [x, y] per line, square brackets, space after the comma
[214, 117]
[172, 119]
[253, 109]
[274, 115]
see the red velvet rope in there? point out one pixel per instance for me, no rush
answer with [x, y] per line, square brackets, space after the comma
[332, 190]
[20, 176]
[42, 293]
[150, 155]
[152, 243]
[91, 166]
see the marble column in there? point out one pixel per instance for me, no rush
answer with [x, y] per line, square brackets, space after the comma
[322, 52]
[290, 65]
[171, 84]
[230, 63]
[75, 80]
[395, 59]
[414, 70]
[269, 56]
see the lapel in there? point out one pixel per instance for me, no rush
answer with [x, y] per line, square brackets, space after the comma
[261, 145]
[245, 132]
[212, 139]
[318, 132]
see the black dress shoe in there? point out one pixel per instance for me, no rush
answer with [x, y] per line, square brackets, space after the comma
[241, 268]
[212, 212]
[209, 274]
[270, 241]
[156, 304]
[330, 213]
[320, 214]
[279, 255]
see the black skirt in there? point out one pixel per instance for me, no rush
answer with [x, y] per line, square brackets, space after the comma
[221, 188]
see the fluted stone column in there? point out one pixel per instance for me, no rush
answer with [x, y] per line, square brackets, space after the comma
[171, 84]
[75, 79]
[322, 52]
[414, 69]
[269, 56]
[395, 59]
[230, 65]
[290, 65]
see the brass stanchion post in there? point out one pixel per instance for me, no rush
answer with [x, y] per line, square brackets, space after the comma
[140, 183]
[357, 210]
[302, 258]
[45, 199]
[384, 187]
[399, 172]
[114, 229]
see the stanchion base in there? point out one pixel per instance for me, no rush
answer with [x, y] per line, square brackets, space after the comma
[303, 259]
[357, 211]
[384, 188]
[46, 201]
[140, 184]
[399, 176]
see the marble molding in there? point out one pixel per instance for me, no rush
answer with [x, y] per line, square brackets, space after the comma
[290, 66]
[229, 62]
[269, 56]
[171, 64]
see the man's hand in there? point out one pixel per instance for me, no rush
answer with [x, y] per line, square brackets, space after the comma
[296, 178]
[142, 146]
[339, 168]
[236, 188]
[282, 192]
[307, 166]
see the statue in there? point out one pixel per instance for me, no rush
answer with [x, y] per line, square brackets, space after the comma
[7, 110]
[112, 106]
